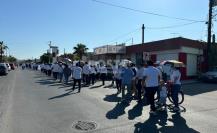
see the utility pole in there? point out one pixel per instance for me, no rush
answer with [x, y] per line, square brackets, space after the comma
[143, 28]
[209, 32]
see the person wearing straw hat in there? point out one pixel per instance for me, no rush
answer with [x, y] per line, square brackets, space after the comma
[176, 86]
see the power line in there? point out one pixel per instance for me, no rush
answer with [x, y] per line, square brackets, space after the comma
[150, 13]
[172, 26]
[123, 35]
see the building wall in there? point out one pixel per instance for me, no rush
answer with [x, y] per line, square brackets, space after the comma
[167, 56]
[191, 65]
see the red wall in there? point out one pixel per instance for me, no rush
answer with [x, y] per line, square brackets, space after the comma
[183, 58]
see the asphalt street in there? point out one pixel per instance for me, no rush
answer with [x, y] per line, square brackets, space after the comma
[31, 102]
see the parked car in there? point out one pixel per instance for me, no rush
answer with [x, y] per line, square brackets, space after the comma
[12, 66]
[3, 69]
[8, 66]
[210, 76]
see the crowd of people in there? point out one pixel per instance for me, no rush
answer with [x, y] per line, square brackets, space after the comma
[141, 82]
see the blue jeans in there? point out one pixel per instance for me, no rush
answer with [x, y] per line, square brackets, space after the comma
[174, 93]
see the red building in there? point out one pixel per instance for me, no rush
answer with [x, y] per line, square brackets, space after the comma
[190, 52]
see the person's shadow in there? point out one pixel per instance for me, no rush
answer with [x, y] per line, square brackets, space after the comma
[180, 125]
[117, 111]
[136, 111]
[149, 126]
[63, 95]
[112, 98]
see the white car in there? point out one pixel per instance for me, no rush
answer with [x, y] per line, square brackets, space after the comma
[8, 66]
[211, 75]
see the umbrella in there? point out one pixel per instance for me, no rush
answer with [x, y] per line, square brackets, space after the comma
[175, 63]
[67, 60]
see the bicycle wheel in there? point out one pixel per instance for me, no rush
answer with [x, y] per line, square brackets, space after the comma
[180, 95]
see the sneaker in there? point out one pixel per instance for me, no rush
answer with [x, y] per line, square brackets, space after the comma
[153, 113]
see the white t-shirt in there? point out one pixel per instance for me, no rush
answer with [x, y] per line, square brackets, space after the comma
[86, 69]
[117, 75]
[152, 76]
[92, 70]
[103, 69]
[60, 69]
[77, 72]
[175, 77]
[114, 69]
[55, 67]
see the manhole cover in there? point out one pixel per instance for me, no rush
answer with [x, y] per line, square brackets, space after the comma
[84, 125]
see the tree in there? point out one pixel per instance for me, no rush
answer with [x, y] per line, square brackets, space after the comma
[11, 59]
[46, 58]
[80, 50]
[2, 49]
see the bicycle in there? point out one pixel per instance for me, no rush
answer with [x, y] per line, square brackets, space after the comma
[169, 94]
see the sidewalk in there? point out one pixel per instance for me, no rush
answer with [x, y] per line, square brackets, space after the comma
[190, 81]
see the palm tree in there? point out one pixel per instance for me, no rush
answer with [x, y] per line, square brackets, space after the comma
[2, 49]
[80, 50]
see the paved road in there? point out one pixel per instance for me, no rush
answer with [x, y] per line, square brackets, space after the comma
[34, 103]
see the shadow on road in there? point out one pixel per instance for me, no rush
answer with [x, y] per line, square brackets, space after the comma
[150, 125]
[136, 111]
[199, 88]
[117, 111]
[63, 95]
[112, 98]
[93, 87]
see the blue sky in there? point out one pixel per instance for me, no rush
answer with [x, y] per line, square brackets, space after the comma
[27, 26]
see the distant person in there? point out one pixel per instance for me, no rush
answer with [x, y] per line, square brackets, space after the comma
[118, 79]
[176, 86]
[86, 74]
[66, 73]
[93, 74]
[126, 76]
[55, 70]
[60, 72]
[152, 79]
[76, 75]
[138, 82]
[114, 70]
[103, 73]
[163, 97]
[134, 69]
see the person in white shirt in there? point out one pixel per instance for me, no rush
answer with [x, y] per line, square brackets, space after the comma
[60, 72]
[76, 75]
[139, 83]
[152, 79]
[93, 74]
[55, 70]
[117, 76]
[163, 96]
[86, 74]
[48, 68]
[114, 70]
[103, 73]
[176, 86]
